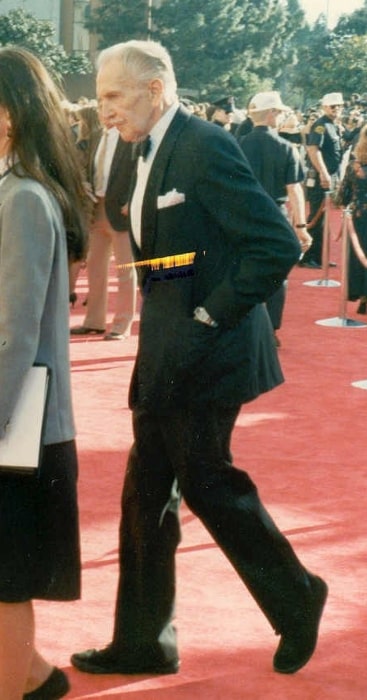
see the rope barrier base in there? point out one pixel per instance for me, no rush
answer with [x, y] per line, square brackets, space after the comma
[322, 283]
[360, 385]
[339, 322]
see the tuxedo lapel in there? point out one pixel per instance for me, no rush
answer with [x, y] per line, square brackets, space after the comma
[155, 180]
[123, 156]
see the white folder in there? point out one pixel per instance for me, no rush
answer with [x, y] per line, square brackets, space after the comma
[20, 449]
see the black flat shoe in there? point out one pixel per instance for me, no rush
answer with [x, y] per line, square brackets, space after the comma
[54, 687]
[310, 264]
[84, 330]
[73, 298]
[112, 335]
[109, 660]
[299, 642]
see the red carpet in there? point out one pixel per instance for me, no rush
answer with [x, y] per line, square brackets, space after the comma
[304, 445]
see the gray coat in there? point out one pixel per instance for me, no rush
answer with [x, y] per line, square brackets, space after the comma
[34, 311]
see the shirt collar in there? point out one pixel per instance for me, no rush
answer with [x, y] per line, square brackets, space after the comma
[5, 164]
[159, 129]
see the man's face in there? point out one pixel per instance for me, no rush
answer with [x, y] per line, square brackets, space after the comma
[132, 107]
[220, 115]
[333, 111]
[276, 117]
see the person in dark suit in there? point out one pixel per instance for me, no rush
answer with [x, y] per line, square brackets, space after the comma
[210, 246]
[108, 232]
[222, 112]
[276, 164]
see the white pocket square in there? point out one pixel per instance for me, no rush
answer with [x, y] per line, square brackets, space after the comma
[170, 199]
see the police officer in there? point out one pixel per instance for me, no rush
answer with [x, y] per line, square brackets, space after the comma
[324, 154]
[222, 112]
[276, 164]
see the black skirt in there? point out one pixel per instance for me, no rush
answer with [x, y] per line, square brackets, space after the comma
[39, 530]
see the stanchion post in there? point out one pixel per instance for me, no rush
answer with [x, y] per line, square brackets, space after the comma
[325, 259]
[344, 275]
[326, 237]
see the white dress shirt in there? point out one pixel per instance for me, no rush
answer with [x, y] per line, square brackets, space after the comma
[143, 170]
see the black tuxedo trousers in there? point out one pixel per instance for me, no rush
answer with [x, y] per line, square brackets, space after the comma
[187, 454]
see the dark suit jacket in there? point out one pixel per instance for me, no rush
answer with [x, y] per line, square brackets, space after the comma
[119, 181]
[244, 250]
[273, 160]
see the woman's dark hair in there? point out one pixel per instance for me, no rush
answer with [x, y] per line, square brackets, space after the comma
[42, 144]
[360, 149]
[88, 122]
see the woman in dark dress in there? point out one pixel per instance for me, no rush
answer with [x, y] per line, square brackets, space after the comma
[41, 222]
[353, 193]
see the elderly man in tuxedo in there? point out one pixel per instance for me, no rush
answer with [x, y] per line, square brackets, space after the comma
[206, 347]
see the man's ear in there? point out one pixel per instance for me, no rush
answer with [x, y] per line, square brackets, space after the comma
[156, 89]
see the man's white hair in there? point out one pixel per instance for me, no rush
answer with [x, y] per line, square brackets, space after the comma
[144, 61]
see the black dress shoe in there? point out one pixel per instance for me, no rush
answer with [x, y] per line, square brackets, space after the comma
[54, 687]
[109, 660]
[298, 643]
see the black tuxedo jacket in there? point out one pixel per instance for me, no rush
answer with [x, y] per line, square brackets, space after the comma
[202, 197]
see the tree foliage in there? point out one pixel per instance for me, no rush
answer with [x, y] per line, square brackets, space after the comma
[239, 47]
[218, 46]
[332, 61]
[205, 40]
[119, 20]
[23, 29]
[355, 23]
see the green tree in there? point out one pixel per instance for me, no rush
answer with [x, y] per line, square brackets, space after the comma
[23, 29]
[204, 39]
[314, 54]
[344, 67]
[224, 46]
[218, 46]
[329, 61]
[354, 23]
[119, 20]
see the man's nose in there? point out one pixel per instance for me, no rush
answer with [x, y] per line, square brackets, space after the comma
[105, 110]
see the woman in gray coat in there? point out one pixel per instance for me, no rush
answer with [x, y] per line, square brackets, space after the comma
[41, 226]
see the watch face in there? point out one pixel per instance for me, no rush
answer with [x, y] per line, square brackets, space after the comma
[201, 314]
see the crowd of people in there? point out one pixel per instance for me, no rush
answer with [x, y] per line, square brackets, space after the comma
[137, 175]
[343, 125]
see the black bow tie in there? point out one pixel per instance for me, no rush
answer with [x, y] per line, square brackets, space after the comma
[144, 147]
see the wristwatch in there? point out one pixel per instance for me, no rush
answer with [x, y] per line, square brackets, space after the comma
[201, 314]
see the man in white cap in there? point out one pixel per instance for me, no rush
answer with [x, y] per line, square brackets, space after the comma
[277, 165]
[324, 154]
